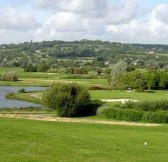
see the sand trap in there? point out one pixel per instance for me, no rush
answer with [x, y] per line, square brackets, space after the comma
[118, 100]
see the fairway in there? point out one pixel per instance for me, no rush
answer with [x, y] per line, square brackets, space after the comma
[118, 94]
[40, 141]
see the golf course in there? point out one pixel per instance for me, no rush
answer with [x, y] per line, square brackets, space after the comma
[37, 134]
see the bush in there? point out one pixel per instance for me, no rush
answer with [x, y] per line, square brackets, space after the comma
[69, 100]
[22, 90]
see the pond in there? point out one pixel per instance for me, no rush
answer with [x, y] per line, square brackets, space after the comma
[11, 103]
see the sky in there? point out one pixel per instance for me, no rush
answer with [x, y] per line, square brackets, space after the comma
[127, 21]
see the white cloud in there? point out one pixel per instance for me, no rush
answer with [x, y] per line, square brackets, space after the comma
[118, 20]
[160, 13]
[73, 21]
[84, 7]
[152, 29]
[12, 19]
[122, 13]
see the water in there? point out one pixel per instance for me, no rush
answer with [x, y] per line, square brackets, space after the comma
[10, 103]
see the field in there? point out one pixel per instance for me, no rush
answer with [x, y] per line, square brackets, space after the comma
[26, 140]
[46, 79]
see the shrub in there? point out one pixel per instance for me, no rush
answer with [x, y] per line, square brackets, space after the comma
[69, 100]
[22, 90]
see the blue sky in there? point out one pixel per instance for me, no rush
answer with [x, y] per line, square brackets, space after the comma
[129, 21]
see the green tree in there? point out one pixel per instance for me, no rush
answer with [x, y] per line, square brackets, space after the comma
[117, 69]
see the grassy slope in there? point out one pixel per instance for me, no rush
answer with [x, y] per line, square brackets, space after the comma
[39, 141]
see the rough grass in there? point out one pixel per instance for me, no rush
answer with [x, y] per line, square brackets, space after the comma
[28, 110]
[39, 141]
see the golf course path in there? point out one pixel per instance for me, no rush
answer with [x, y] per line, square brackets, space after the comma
[44, 117]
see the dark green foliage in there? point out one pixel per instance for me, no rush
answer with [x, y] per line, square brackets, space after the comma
[98, 88]
[30, 68]
[42, 67]
[142, 80]
[69, 100]
[22, 90]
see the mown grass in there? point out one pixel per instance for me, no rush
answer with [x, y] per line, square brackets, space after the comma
[117, 94]
[40, 141]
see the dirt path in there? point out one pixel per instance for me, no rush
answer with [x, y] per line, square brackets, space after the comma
[44, 117]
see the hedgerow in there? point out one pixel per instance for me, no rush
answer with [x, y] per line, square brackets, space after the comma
[156, 113]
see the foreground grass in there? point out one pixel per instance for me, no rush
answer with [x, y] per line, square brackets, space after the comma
[39, 141]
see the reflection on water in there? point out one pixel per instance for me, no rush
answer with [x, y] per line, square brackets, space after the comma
[10, 103]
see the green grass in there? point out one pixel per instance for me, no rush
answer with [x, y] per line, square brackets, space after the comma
[40, 141]
[117, 94]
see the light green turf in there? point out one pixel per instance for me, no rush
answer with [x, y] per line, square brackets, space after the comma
[116, 94]
[39, 141]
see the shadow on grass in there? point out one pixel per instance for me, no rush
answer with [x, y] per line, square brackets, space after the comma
[150, 91]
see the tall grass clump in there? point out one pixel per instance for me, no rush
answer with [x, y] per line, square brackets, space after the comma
[147, 105]
[156, 117]
[121, 114]
[9, 76]
[153, 112]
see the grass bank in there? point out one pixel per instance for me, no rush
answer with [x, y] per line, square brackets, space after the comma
[34, 97]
